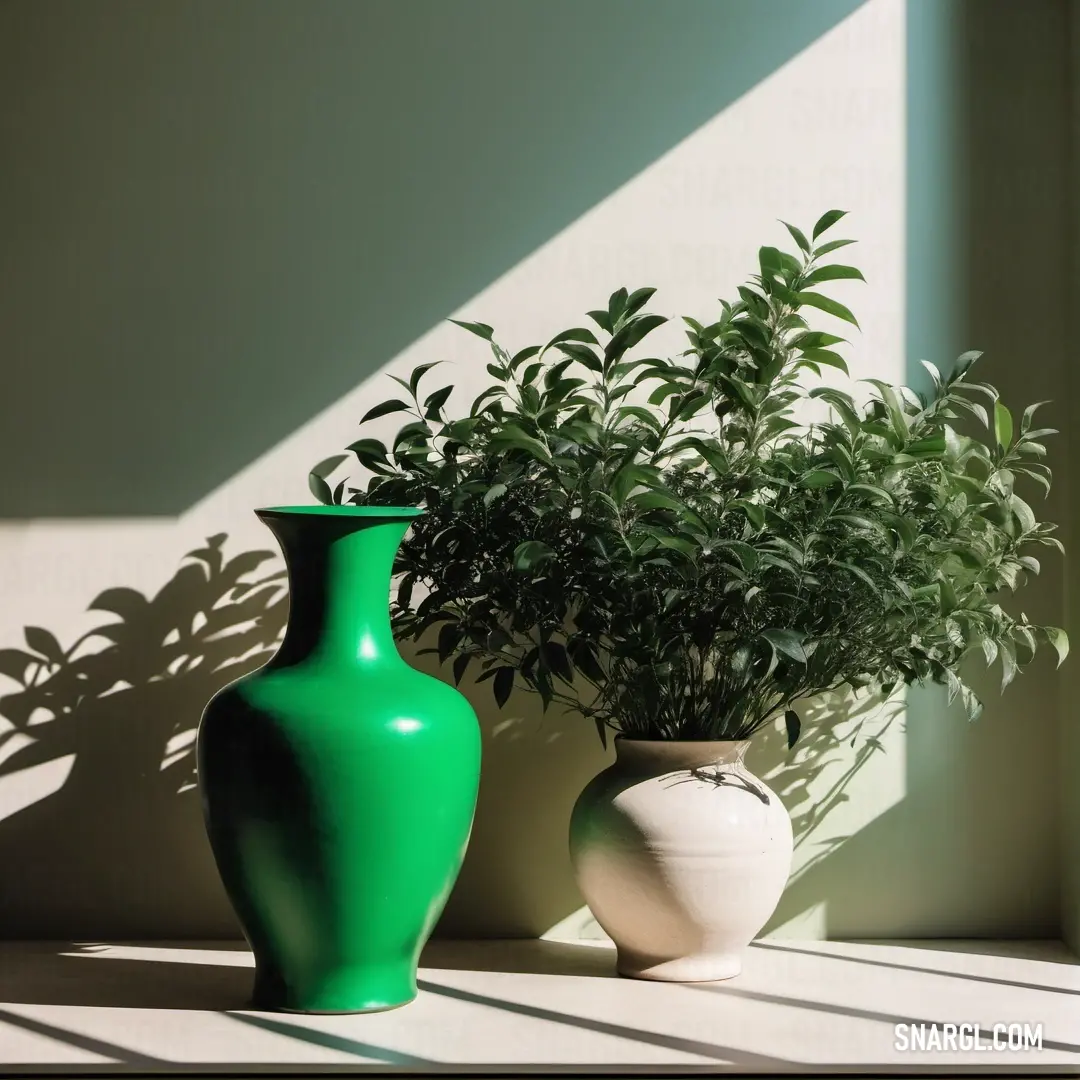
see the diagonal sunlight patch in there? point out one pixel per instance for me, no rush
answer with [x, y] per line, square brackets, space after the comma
[824, 130]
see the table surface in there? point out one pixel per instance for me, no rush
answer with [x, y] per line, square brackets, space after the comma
[796, 1006]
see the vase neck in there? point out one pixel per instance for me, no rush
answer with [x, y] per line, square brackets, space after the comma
[339, 587]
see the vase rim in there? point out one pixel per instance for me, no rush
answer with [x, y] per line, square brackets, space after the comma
[322, 510]
[680, 742]
[679, 754]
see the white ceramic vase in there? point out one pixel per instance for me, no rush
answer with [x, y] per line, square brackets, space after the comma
[682, 855]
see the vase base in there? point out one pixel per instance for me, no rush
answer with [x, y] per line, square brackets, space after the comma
[340, 996]
[682, 969]
[267, 1007]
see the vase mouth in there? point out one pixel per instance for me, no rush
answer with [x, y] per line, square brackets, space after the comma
[676, 753]
[393, 512]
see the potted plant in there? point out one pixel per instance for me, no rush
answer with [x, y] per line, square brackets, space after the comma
[682, 549]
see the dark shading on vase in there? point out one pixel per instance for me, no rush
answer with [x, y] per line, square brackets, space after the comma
[338, 783]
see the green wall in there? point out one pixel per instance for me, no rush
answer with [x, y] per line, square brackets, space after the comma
[217, 218]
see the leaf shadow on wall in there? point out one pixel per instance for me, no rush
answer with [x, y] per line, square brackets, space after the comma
[98, 805]
[842, 735]
[99, 813]
[117, 848]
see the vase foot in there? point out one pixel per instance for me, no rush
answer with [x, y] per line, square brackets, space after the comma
[345, 993]
[688, 969]
[332, 1012]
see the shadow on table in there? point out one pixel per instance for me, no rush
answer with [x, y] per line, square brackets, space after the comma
[87, 976]
[71, 974]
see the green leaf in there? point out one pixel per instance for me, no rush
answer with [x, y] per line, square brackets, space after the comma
[832, 245]
[494, 492]
[512, 437]
[1029, 415]
[519, 358]
[655, 500]
[639, 412]
[371, 453]
[905, 529]
[818, 478]
[394, 405]
[584, 659]
[450, 635]
[935, 374]
[971, 702]
[753, 511]
[794, 726]
[1024, 514]
[601, 730]
[420, 371]
[742, 392]
[798, 236]
[860, 573]
[637, 300]
[434, 402]
[1008, 664]
[503, 684]
[583, 355]
[556, 659]
[602, 319]
[461, 662]
[633, 332]
[480, 329]
[842, 403]
[827, 221]
[826, 357]
[627, 478]
[815, 339]
[578, 333]
[770, 260]
[832, 272]
[530, 554]
[617, 304]
[1059, 640]
[872, 491]
[948, 597]
[828, 305]
[317, 484]
[788, 642]
[1003, 425]
[531, 372]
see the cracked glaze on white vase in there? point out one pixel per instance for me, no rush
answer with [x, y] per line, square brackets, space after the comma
[682, 855]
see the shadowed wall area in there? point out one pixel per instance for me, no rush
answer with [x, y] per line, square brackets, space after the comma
[218, 218]
[983, 831]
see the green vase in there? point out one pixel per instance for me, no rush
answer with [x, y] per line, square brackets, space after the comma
[338, 783]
